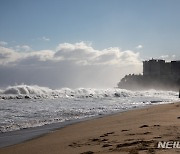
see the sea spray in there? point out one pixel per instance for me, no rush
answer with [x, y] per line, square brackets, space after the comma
[25, 106]
[34, 91]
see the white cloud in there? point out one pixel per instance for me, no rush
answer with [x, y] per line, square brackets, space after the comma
[3, 43]
[168, 57]
[8, 55]
[139, 47]
[42, 55]
[71, 65]
[45, 38]
[23, 48]
[86, 54]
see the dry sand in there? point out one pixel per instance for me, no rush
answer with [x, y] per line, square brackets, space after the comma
[132, 132]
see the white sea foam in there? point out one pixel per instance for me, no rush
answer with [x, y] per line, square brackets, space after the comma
[25, 106]
[26, 90]
[34, 91]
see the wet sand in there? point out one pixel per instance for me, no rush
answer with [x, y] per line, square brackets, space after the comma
[132, 132]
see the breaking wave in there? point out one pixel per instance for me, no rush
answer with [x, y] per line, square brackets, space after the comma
[25, 106]
[34, 91]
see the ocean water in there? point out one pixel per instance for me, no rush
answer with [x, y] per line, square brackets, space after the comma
[24, 106]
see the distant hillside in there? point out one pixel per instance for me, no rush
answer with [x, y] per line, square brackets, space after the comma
[140, 82]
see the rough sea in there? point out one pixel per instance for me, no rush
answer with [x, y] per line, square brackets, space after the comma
[24, 106]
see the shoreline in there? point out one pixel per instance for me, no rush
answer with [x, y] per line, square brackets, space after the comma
[19, 136]
[73, 137]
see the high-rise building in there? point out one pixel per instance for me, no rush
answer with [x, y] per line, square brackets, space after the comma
[160, 68]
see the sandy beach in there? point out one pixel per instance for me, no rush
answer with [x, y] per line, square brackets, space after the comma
[133, 132]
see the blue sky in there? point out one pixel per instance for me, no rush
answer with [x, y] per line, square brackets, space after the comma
[84, 43]
[126, 24]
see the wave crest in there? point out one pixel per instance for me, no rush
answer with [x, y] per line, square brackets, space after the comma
[35, 91]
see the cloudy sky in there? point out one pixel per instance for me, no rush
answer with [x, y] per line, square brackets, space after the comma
[84, 43]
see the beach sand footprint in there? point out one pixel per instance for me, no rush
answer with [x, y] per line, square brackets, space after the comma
[131, 134]
[104, 140]
[146, 133]
[106, 134]
[75, 145]
[143, 126]
[95, 139]
[138, 142]
[129, 139]
[124, 130]
[106, 145]
[134, 147]
[157, 137]
[132, 144]
[156, 125]
[87, 152]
